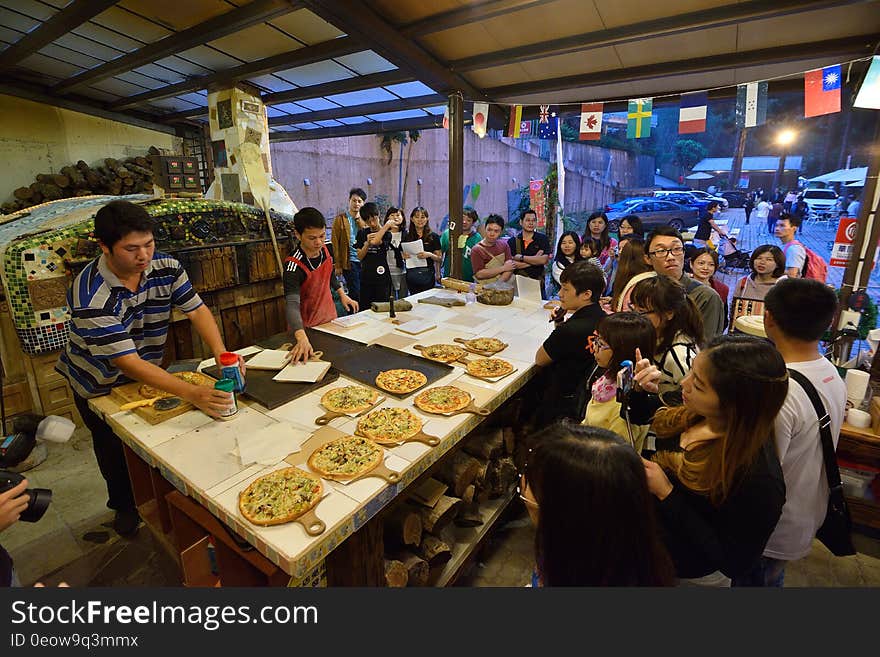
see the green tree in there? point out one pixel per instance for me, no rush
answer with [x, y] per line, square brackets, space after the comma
[688, 152]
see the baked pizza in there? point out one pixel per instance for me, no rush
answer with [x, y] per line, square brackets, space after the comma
[445, 353]
[346, 458]
[401, 381]
[442, 399]
[489, 367]
[280, 496]
[389, 425]
[349, 399]
[195, 378]
[491, 345]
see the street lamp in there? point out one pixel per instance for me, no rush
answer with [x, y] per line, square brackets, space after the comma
[785, 139]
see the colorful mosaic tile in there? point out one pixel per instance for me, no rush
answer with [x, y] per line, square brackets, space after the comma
[28, 257]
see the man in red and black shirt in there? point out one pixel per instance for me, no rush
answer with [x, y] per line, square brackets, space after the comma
[308, 280]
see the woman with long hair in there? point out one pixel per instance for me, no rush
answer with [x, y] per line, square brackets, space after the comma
[396, 265]
[631, 268]
[631, 225]
[704, 265]
[716, 475]
[678, 324]
[568, 250]
[419, 279]
[618, 337]
[587, 493]
[767, 263]
[597, 229]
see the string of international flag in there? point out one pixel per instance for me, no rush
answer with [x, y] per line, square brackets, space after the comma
[822, 94]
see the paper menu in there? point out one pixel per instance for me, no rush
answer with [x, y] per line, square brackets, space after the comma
[413, 249]
[313, 370]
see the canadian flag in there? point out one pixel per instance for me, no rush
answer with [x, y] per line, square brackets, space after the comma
[591, 121]
[481, 112]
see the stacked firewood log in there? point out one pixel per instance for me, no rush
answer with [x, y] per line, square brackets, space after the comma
[420, 532]
[134, 175]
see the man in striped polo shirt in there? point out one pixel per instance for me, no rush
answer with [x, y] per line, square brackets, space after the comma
[121, 306]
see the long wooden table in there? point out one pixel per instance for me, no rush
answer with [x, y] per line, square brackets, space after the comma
[195, 454]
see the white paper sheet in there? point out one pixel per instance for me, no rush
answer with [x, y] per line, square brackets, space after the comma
[309, 372]
[269, 359]
[416, 326]
[413, 249]
[270, 445]
[528, 288]
[349, 321]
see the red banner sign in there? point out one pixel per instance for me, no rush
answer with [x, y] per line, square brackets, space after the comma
[536, 201]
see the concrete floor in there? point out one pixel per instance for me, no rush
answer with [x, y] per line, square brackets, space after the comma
[74, 543]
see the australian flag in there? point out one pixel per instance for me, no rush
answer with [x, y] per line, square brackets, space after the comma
[547, 123]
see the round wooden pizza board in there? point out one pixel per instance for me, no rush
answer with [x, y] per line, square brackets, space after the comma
[479, 352]
[460, 359]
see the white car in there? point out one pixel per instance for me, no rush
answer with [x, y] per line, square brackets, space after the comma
[708, 197]
[822, 202]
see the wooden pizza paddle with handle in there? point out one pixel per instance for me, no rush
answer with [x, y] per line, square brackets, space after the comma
[423, 348]
[419, 437]
[470, 408]
[382, 471]
[325, 419]
[311, 523]
[478, 352]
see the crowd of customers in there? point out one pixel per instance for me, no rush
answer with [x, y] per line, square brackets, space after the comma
[706, 467]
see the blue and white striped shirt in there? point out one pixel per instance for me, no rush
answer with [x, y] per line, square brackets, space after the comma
[109, 321]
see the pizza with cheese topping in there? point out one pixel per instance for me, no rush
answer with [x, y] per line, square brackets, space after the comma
[346, 458]
[491, 345]
[442, 399]
[488, 368]
[349, 399]
[444, 353]
[389, 425]
[401, 381]
[195, 378]
[280, 496]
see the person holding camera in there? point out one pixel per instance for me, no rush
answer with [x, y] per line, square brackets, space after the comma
[13, 502]
[120, 306]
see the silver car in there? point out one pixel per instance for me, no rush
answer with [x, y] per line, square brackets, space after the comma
[653, 214]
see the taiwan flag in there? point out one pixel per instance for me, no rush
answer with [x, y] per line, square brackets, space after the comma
[822, 91]
[692, 115]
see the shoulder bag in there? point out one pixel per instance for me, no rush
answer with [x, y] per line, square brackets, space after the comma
[836, 530]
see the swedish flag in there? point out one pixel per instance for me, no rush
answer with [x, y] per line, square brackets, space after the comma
[638, 118]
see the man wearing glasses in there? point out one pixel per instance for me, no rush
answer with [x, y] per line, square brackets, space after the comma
[665, 253]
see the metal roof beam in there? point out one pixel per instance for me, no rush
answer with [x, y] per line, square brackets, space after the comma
[668, 26]
[290, 59]
[358, 18]
[466, 15]
[417, 102]
[852, 46]
[358, 83]
[372, 128]
[259, 11]
[72, 16]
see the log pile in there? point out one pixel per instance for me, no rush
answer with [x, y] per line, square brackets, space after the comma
[133, 175]
[420, 532]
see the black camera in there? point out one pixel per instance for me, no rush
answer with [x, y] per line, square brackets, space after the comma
[38, 498]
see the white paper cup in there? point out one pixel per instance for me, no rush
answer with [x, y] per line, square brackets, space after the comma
[856, 386]
[858, 418]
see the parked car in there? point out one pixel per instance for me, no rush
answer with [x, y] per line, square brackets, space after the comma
[653, 213]
[821, 202]
[710, 197]
[735, 198]
[619, 205]
[686, 199]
